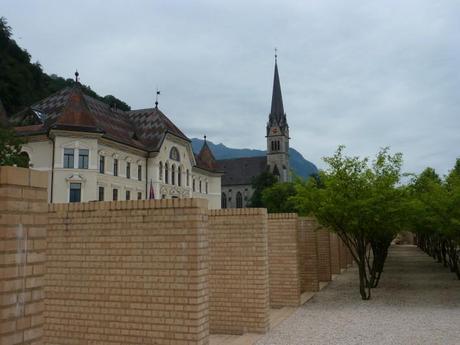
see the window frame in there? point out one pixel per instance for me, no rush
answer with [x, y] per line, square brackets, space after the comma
[115, 194]
[101, 193]
[115, 167]
[71, 195]
[128, 170]
[70, 162]
[101, 164]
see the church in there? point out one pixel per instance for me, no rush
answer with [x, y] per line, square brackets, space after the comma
[239, 172]
[95, 152]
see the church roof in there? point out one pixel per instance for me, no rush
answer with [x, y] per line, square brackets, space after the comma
[71, 109]
[241, 171]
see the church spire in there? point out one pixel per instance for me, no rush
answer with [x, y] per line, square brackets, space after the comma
[277, 115]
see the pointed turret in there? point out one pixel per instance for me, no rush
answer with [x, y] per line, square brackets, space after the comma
[76, 113]
[205, 158]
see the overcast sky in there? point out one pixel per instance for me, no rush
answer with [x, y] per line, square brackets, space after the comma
[365, 74]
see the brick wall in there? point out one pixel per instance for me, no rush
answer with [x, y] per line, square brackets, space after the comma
[335, 253]
[127, 272]
[283, 257]
[324, 254]
[238, 271]
[308, 255]
[23, 218]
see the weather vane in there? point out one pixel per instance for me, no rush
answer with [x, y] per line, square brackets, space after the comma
[76, 76]
[156, 98]
[276, 54]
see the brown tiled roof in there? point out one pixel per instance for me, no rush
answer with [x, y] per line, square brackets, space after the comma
[205, 159]
[240, 171]
[70, 109]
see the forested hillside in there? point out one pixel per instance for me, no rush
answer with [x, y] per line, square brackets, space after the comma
[23, 82]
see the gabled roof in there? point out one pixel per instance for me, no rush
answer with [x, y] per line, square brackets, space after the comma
[71, 109]
[151, 125]
[205, 159]
[241, 171]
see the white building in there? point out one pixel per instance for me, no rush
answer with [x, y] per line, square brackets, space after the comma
[95, 152]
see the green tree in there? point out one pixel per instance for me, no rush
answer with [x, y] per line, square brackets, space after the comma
[10, 149]
[259, 183]
[277, 198]
[362, 203]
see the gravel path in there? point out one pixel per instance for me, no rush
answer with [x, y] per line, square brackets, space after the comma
[417, 302]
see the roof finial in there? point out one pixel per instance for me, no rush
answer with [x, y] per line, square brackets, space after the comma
[205, 138]
[76, 76]
[276, 55]
[156, 98]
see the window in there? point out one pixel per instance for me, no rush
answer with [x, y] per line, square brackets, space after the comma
[139, 195]
[206, 188]
[193, 182]
[101, 193]
[166, 173]
[68, 158]
[102, 164]
[75, 192]
[200, 186]
[128, 170]
[173, 175]
[115, 194]
[115, 167]
[160, 171]
[83, 155]
[224, 201]
[174, 154]
[179, 176]
[128, 195]
[188, 178]
[139, 172]
[239, 200]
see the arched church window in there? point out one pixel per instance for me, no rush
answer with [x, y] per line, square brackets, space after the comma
[174, 154]
[188, 178]
[173, 174]
[166, 173]
[160, 171]
[239, 200]
[179, 176]
[224, 201]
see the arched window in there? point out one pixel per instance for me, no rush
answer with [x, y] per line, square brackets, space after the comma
[166, 173]
[174, 154]
[188, 178]
[273, 145]
[224, 201]
[173, 174]
[160, 172]
[206, 187]
[200, 186]
[179, 176]
[239, 200]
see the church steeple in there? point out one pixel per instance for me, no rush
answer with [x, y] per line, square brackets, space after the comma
[278, 133]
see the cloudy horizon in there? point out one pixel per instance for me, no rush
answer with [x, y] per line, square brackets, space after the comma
[358, 73]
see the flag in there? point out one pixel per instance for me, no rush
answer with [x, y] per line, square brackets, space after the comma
[151, 193]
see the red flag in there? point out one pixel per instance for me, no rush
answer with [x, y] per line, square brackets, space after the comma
[151, 193]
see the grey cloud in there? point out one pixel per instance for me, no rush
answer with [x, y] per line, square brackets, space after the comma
[365, 74]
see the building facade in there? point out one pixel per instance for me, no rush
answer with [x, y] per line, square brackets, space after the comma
[239, 172]
[92, 151]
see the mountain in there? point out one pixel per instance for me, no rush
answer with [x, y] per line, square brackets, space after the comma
[23, 83]
[299, 164]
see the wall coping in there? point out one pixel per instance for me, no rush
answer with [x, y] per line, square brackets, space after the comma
[238, 212]
[23, 177]
[283, 216]
[130, 204]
